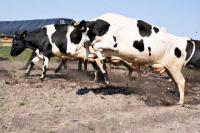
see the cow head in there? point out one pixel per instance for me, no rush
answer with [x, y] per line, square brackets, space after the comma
[18, 44]
[78, 33]
[78, 37]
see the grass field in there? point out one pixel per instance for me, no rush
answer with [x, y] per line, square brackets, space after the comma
[5, 53]
[24, 56]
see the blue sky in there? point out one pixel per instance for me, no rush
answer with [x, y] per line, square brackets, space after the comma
[180, 17]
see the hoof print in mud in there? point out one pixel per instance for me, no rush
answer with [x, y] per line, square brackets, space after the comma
[11, 82]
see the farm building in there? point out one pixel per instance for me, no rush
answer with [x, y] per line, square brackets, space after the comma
[8, 28]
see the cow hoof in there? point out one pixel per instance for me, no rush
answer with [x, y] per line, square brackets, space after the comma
[26, 75]
[107, 83]
[95, 80]
[42, 78]
[180, 103]
[56, 71]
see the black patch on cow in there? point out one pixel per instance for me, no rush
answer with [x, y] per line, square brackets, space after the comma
[91, 35]
[139, 45]
[97, 28]
[76, 36]
[60, 26]
[194, 62]
[115, 39]
[59, 37]
[38, 39]
[115, 45]
[144, 28]
[177, 52]
[149, 48]
[156, 29]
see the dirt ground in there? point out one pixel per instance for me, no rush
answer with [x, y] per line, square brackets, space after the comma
[69, 102]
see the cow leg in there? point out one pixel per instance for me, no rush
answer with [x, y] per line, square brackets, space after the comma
[80, 62]
[180, 83]
[100, 59]
[33, 54]
[101, 66]
[59, 67]
[85, 65]
[129, 67]
[95, 71]
[31, 64]
[80, 65]
[172, 79]
[39, 54]
[106, 79]
[45, 67]
[62, 63]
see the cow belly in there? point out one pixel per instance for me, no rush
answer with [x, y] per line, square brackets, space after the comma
[148, 49]
[146, 55]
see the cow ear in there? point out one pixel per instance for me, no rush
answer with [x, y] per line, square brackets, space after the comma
[82, 23]
[15, 34]
[81, 26]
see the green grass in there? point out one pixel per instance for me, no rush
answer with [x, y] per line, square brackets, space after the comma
[24, 56]
[187, 72]
[5, 53]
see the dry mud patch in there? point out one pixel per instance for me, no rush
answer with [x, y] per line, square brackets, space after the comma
[70, 102]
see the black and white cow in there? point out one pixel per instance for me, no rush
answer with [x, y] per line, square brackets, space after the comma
[141, 43]
[52, 40]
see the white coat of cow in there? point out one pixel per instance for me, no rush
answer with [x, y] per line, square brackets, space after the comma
[139, 42]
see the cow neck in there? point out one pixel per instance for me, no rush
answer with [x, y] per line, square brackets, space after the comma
[30, 42]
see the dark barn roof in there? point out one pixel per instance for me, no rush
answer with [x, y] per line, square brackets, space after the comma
[8, 28]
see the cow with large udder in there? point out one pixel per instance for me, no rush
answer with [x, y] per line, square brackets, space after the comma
[141, 43]
[65, 41]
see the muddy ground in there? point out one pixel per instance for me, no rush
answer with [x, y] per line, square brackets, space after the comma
[69, 102]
